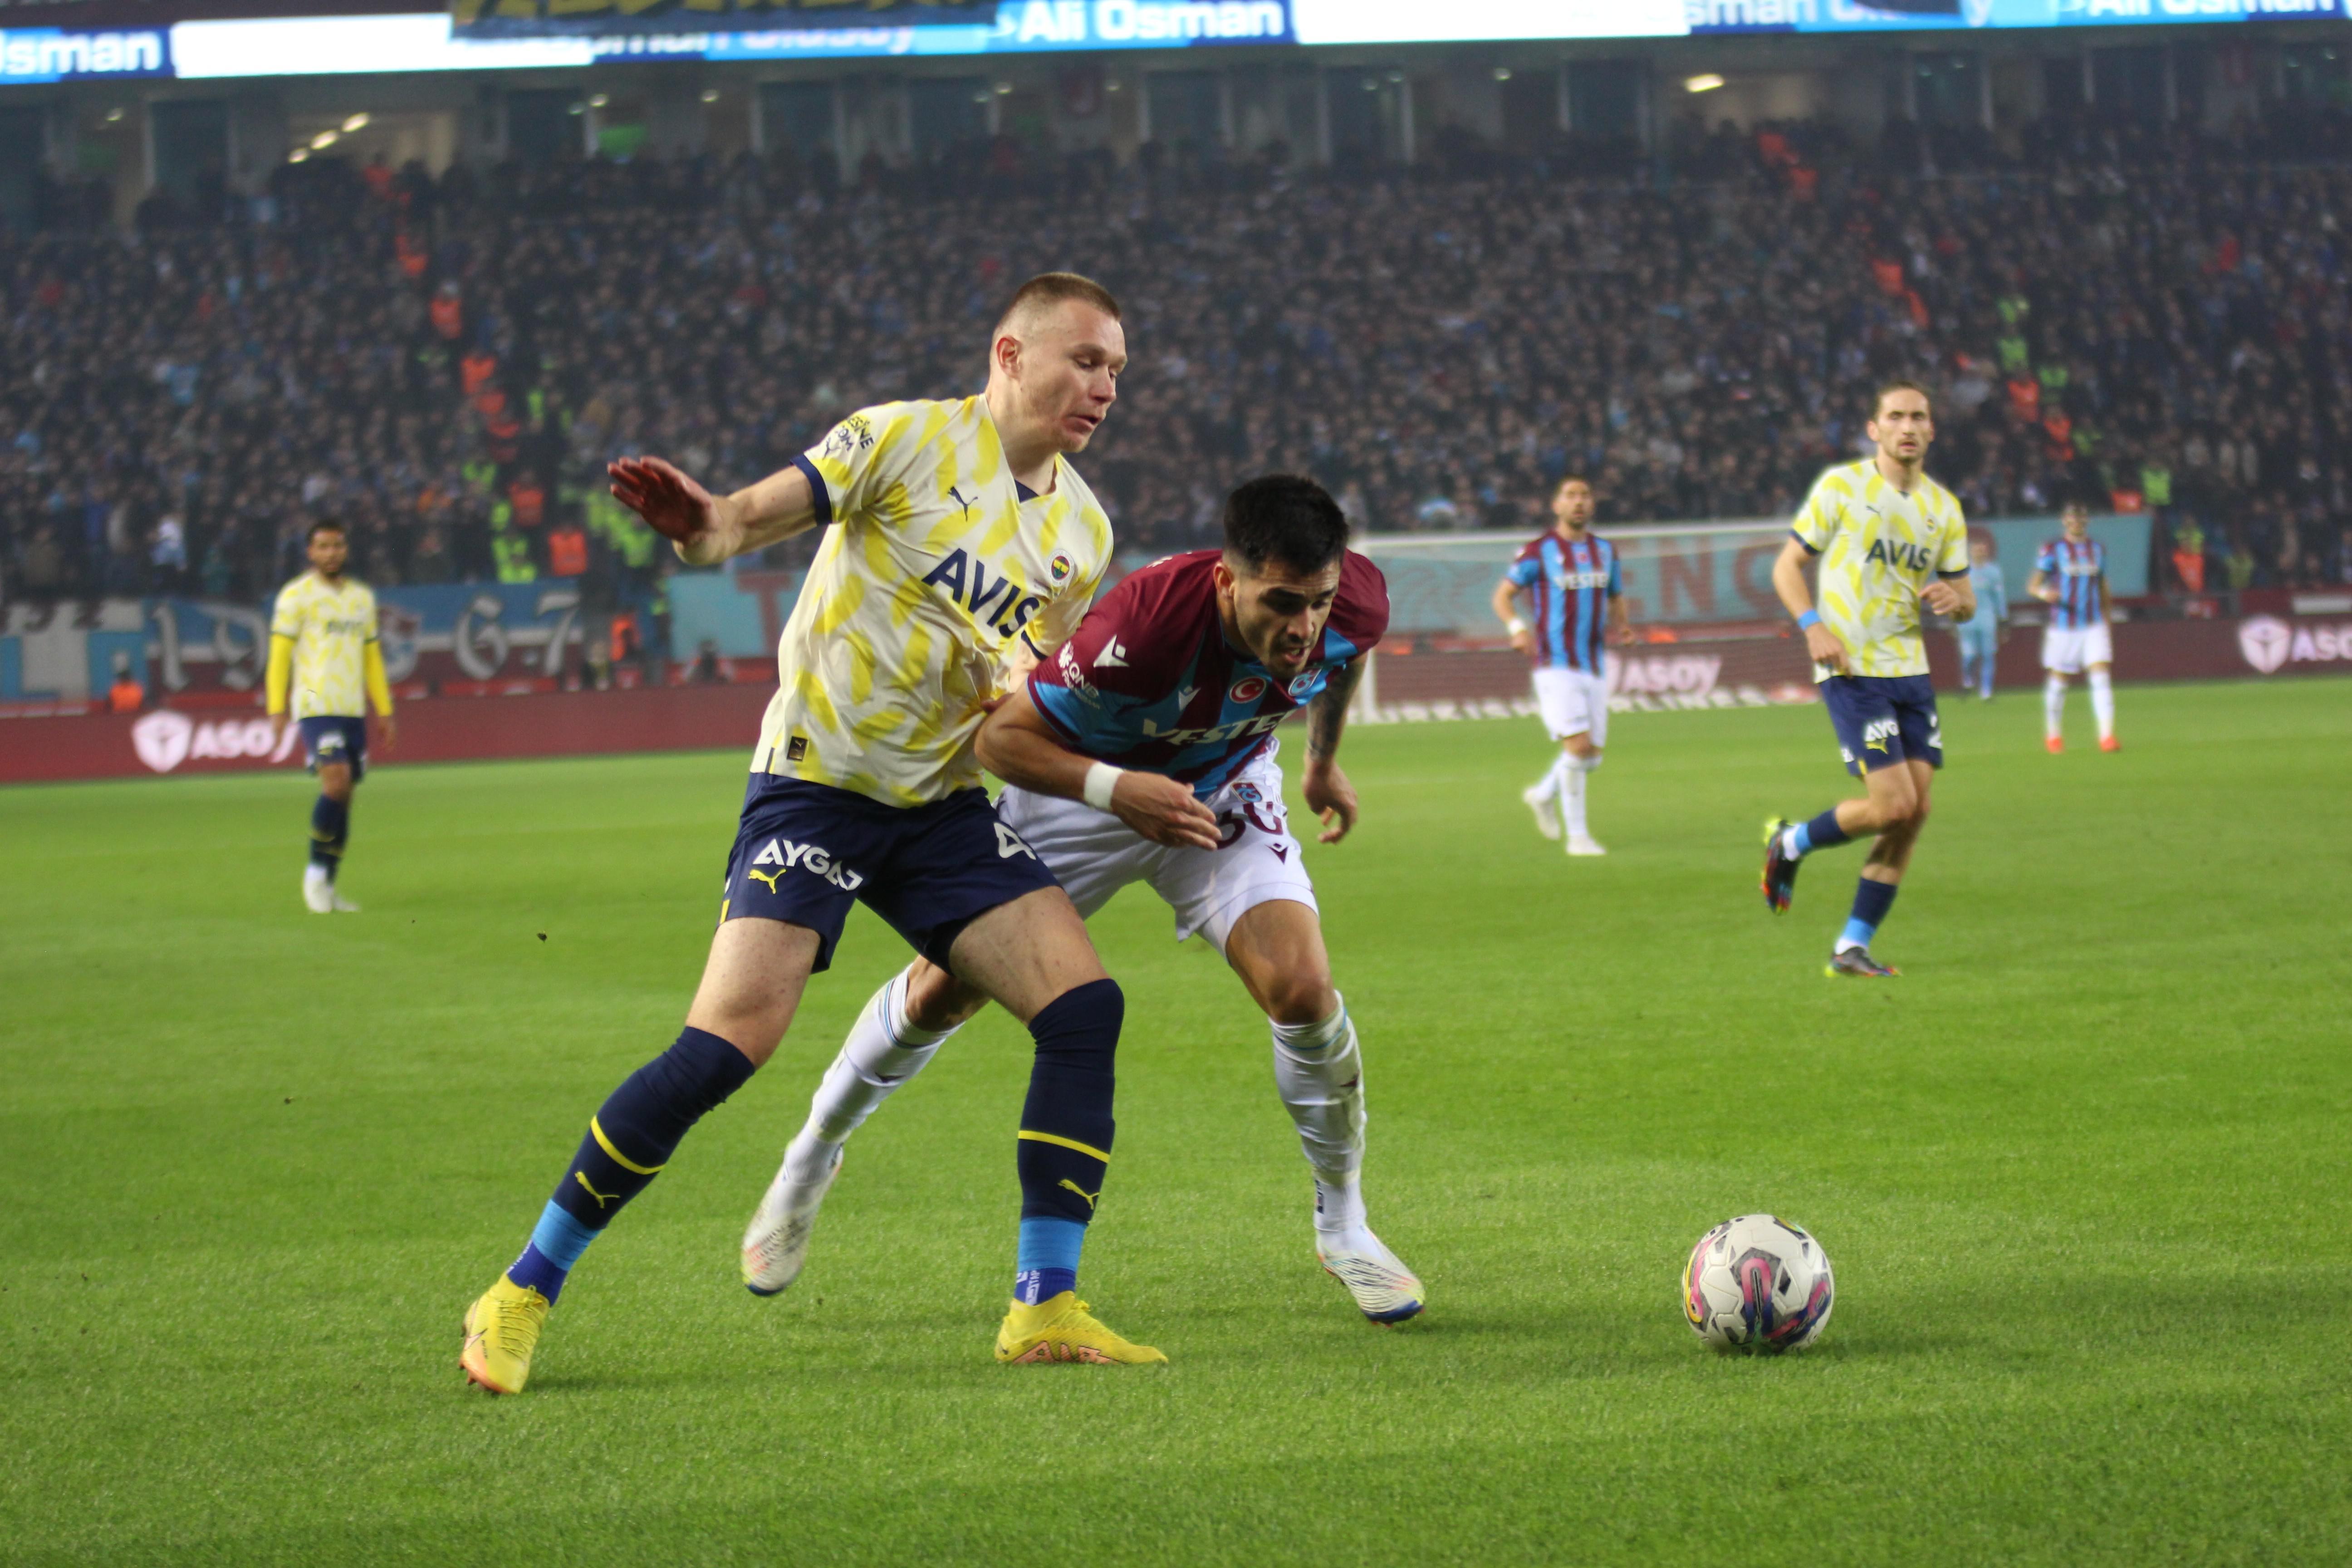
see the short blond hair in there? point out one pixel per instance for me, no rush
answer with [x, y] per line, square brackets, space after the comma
[1050, 289]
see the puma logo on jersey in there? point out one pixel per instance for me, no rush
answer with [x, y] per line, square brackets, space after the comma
[955, 494]
[999, 603]
[784, 853]
[1895, 552]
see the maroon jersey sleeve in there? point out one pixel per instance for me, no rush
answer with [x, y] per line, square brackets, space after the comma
[1360, 616]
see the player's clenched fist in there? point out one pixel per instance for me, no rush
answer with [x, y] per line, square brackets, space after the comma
[1163, 810]
[672, 504]
[1823, 645]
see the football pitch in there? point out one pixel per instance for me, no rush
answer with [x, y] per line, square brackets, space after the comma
[2082, 1169]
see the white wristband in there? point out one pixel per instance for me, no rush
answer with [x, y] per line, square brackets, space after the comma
[1516, 625]
[1102, 779]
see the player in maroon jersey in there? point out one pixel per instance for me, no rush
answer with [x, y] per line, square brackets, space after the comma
[1143, 750]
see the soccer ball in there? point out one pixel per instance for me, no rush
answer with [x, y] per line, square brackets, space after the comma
[1757, 1283]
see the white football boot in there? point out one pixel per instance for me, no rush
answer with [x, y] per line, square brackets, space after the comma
[1584, 844]
[1546, 805]
[776, 1244]
[318, 890]
[343, 906]
[1384, 1289]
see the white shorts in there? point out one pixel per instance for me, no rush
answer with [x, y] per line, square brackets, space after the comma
[1573, 702]
[2071, 653]
[1093, 854]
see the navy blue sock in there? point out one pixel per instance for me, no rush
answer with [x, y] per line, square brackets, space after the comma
[331, 824]
[1065, 1130]
[629, 1140]
[547, 1258]
[1822, 832]
[1871, 901]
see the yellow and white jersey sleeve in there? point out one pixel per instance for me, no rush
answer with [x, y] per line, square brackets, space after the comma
[330, 628]
[1878, 548]
[935, 568]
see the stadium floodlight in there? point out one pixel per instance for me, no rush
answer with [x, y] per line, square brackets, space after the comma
[300, 155]
[1707, 82]
[1502, 73]
[356, 122]
[597, 100]
[326, 139]
[709, 95]
[114, 116]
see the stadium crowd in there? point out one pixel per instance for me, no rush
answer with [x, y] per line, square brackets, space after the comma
[447, 364]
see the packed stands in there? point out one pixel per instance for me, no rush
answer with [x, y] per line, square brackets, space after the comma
[446, 363]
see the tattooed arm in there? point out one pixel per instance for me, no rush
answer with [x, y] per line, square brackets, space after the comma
[1328, 793]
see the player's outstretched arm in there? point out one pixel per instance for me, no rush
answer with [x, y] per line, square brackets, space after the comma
[1017, 745]
[706, 529]
[2039, 586]
[1328, 794]
[1789, 582]
[1952, 595]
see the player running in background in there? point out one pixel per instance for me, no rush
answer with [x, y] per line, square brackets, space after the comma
[1891, 541]
[1574, 584]
[957, 532]
[2070, 575]
[1144, 752]
[1981, 634]
[323, 645]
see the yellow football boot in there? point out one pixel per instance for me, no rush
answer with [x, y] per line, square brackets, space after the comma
[1059, 1328]
[501, 1330]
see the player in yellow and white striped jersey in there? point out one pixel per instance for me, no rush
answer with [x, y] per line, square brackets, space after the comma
[324, 655]
[1890, 542]
[961, 544]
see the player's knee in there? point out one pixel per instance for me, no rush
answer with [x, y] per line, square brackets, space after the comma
[335, 783]
[1305, 997]
[936, 1000]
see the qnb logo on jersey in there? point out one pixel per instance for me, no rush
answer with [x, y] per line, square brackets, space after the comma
[1895, 552]
[1264, 724]
[999, 603]
[1567, 581]
[784, 855]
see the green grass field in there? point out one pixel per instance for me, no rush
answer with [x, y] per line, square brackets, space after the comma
[2083, 1171]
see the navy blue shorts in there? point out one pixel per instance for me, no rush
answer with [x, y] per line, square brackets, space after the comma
[335, 741]
[1882, 720]
[804, 852]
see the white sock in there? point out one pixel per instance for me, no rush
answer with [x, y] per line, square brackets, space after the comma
[2054, 704]
[883, 1051]
[2102, 703]
[1321, 1074]
[1555, 780]
[1579, 779]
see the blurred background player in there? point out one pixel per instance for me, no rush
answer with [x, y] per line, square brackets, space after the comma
[324, 642]
[1574, 585]
[1982, 634]
[2070, 575]
[1144, 752]
[957, 533]
[1891, 541]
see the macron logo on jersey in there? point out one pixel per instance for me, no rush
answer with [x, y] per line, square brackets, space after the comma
[1112, 658]
[1000, 603]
